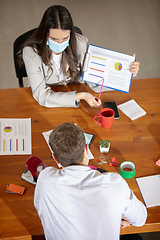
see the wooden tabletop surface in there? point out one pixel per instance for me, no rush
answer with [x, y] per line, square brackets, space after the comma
[137, 141]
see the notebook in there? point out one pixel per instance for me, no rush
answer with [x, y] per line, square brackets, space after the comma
[150, 190]
[131, 109]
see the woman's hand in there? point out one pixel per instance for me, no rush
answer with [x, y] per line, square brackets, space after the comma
[134, 68]
[89, 98]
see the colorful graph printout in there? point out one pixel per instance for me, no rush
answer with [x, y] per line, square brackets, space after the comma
[15, 136]
[112, 66]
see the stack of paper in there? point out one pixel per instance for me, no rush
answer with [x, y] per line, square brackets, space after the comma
[132, 109]
[150, 190]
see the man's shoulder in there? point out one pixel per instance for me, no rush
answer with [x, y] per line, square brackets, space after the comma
[112, 176]
[48, 172]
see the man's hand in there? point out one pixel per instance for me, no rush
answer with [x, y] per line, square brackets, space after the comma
[124, 223]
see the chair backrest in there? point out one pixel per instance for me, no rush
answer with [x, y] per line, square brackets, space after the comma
[21, 71]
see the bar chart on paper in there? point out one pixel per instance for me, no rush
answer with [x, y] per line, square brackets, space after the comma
[97, 67]
[15, 136]
[112, 66]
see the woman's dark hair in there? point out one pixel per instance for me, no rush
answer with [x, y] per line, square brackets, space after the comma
[67, 142]
[55, 17]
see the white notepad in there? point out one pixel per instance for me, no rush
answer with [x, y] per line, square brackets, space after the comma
[150, 190]
[132, 109]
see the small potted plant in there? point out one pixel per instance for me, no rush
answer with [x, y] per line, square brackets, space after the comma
[104, 146]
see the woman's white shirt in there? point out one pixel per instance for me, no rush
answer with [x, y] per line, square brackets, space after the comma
[57, 62]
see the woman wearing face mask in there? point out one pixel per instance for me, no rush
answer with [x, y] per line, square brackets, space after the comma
[54, 55]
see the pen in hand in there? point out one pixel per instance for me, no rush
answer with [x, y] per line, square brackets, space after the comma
[101, 89]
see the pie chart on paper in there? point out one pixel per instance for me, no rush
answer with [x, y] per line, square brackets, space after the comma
[8, 129]
[118, 66]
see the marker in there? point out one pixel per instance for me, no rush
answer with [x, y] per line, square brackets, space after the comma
[101, 89]
[23, 144]
[16, 144]
[4, 147]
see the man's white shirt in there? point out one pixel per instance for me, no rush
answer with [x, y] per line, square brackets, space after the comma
[77, 203]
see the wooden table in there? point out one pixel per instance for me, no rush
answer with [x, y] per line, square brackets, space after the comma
[137, 141]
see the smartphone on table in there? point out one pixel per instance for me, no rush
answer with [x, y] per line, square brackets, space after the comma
[112, 105]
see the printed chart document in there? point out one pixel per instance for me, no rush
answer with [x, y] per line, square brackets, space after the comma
[112, 66]
[150, 190]
[15, 136]
[46, 136]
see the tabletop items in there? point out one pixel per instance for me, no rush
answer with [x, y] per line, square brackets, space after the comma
[132, 109]
[13, 188]
[106, 117]
[104, 146]
[15, 136]
[150, 189]
[136, 141]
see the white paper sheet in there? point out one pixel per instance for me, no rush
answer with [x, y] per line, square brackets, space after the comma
[46, 136]
[112, 66]
[150, 190]
[132, 109]
[15, 136]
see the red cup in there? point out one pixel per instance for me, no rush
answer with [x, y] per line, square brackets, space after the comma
[106, 117]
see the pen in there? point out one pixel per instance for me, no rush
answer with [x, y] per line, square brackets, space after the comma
[99, 169]
[101, 89]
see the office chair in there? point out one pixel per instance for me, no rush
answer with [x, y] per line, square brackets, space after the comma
[21, 71]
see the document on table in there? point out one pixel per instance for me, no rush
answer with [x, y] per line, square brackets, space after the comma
[112, 66]
[46, 136]
[15, 136]
[150, 190]
[132, 109]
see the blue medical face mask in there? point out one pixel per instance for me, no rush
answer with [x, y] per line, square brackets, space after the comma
[57, 47]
